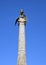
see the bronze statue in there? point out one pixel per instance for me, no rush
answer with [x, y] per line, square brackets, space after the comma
[22, 15]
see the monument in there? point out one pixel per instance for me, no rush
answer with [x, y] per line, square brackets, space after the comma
[21, 40]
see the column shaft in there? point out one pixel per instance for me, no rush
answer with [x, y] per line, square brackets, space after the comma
[21, 45]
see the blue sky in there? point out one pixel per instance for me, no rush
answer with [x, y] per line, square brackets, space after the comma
[35, 11]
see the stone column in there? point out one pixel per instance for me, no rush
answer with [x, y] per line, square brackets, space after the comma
[21, 45]
[21, 41]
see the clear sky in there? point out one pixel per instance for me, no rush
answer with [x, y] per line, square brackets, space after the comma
[35, 31]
